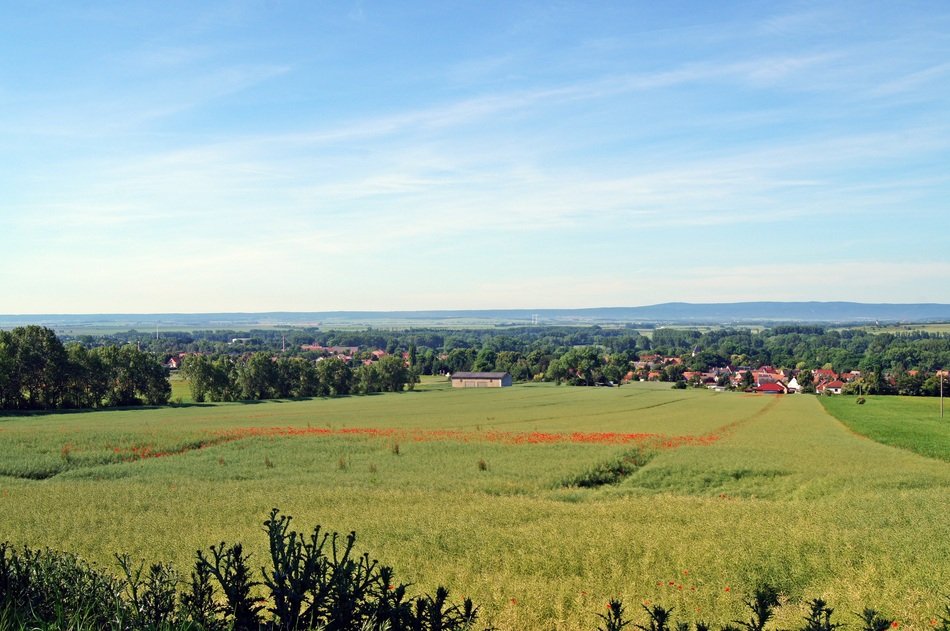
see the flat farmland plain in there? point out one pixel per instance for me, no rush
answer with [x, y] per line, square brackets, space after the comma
[467, 488]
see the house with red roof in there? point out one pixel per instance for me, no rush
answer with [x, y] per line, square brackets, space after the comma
[762, 377]
[824, 374]
[830, 387]
[775, 387]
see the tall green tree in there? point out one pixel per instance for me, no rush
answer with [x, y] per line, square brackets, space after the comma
[41, 366]
[336, 377]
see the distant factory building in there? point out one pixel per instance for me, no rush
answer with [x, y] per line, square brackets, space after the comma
[481, 380]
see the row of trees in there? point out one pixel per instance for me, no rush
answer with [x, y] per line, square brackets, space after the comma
[260, 376]
[525, 351]
[37, 372]
[808, 347]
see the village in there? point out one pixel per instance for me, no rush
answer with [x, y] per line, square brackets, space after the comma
[764, 379]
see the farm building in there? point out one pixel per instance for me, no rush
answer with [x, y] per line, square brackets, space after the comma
[481, 380]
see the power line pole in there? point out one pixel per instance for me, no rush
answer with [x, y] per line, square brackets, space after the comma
[941, 392]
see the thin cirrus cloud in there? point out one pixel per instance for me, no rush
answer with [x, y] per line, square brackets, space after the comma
[540, 144]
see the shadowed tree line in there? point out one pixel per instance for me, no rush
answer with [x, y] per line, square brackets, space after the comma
[37, 372]
[261, 376]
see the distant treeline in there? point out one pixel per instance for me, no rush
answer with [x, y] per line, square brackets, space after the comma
[892, 363]
[260, 376]
[37, 372]
[270, 363]
[808, 347]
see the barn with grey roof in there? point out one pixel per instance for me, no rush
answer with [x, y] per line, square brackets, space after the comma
[481, 380]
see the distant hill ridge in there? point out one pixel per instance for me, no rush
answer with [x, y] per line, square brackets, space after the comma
[666, 313]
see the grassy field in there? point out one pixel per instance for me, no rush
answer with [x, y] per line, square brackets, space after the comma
[912, 423]
[739, 489]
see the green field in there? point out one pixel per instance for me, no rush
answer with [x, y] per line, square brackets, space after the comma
[740, 489]
[912, 423]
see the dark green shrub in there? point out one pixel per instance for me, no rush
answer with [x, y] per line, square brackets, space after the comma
[198, 603]
[435, 614]
[874, 621]
[659, 618]
[762, 605]
[153, 598]
[44, 586]
[610, 472]
[942, 621]
[819, 617]
[230, 568]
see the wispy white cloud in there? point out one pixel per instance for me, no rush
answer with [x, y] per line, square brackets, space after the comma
[717, 134]
[913, 80]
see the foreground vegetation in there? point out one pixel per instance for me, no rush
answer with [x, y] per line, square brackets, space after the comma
[313, 582]
[695, 498]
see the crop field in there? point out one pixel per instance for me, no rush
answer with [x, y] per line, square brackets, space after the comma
[908, 422]
[478, 490]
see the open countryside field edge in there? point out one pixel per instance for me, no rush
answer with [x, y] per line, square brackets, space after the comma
[783, 492]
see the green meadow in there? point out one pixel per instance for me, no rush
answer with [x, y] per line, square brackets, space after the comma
[466, 488]
[908, 422]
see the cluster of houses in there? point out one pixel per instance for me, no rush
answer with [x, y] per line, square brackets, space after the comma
[346, 353]
[765, 379]
[174, 362]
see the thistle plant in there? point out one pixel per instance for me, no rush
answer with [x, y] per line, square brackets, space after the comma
[763, 604]
[819, 617]
[874, 621]
[659, 618]
[614, 619]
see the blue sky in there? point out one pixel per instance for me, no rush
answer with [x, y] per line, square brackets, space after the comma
[258, 156]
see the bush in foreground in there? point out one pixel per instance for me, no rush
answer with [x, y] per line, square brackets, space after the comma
[761, 606]
[314, 581]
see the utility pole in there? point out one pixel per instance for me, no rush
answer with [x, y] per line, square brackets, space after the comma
[941, 392]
